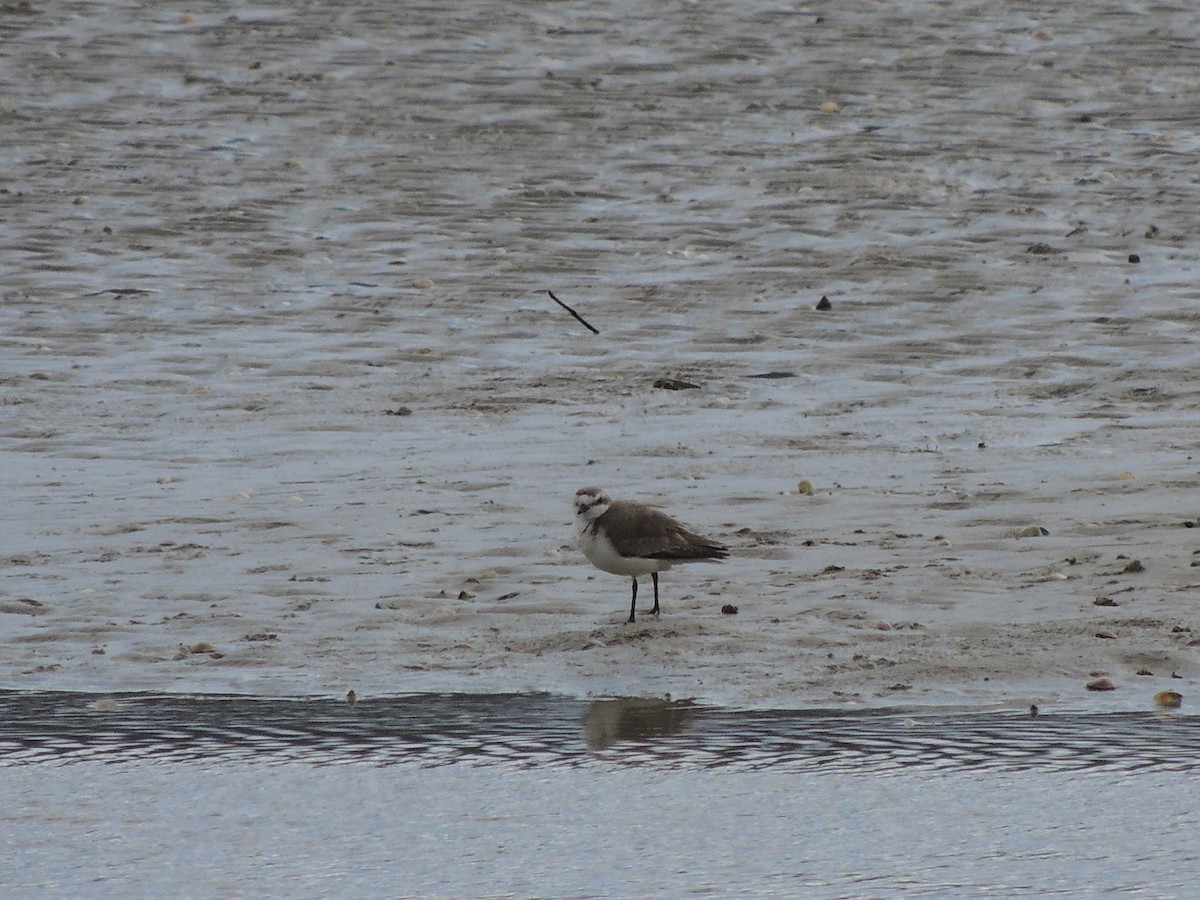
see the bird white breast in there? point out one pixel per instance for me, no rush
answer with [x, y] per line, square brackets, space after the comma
[600, 551]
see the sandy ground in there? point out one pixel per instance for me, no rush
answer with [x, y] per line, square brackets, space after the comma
[284, 408]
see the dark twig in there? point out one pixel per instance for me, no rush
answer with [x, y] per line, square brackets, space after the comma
[572, 312]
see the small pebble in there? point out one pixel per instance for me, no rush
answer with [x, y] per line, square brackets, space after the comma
[1101, 684]
[1169, 699]
[1032, 531]
[1134, 258]
[675, 384]
[1042, 249]
[805, 487]
[729, 609]
[823, 304]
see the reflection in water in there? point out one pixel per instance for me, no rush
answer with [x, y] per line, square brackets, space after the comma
[609, 722]
[539, 730]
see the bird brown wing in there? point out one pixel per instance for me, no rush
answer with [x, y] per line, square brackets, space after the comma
[644, 532]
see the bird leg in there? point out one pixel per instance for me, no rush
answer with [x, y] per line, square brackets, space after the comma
[633, 603]
[654, 576]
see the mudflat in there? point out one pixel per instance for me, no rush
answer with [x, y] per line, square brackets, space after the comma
[285, 407]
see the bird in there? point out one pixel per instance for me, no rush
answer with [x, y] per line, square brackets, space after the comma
[626, 537]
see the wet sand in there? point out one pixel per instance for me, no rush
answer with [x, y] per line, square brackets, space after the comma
[285, 408]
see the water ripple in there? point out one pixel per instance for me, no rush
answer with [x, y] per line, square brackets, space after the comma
[536, 731]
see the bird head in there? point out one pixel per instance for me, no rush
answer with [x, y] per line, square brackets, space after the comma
[591, 503]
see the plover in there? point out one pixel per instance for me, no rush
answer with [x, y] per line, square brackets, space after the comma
[625, 537]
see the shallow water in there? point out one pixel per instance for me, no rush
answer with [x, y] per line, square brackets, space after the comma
[539, 796]
[544, 731]
[105, 830]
